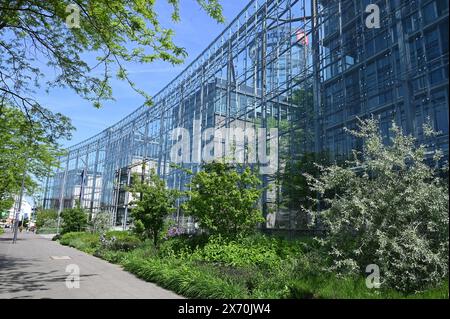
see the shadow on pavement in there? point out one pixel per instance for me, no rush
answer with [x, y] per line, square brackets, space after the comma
[14, 276]
[9, 239]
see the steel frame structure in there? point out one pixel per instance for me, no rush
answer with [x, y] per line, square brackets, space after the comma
[306, 67]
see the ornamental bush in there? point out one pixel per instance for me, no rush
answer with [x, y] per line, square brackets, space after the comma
[152, 203]
[224, 199]
[86, 242]
[48, 227]
[387, 207]
[46, 217]
[182, 245]
[119, 241]
[100, 222]
[240, 252]
[74, 220]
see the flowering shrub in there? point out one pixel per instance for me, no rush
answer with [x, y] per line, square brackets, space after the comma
[100, 222]
[118, 241]
[386, 207]
[173, 232]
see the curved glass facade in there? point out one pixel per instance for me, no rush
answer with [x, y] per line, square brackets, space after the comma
[307, 68]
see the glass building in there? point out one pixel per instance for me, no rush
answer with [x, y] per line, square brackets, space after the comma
[308, 68]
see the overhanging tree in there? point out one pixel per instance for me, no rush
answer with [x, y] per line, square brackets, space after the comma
[116, 32]
[35, 32]
[27, 154]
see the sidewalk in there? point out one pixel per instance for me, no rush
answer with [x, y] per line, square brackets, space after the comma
[35, 267]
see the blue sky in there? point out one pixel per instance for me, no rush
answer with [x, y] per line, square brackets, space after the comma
[194, 32]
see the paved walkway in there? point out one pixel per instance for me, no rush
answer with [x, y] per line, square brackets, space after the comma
[28, 270]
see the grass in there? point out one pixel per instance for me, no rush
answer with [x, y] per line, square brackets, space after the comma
[184, 278]
[86, 242]
[251, 267]
[330, 287]
[2, 231]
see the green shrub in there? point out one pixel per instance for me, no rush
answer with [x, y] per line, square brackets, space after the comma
[119, 241]
[45, 218]
[49, 226]
[101, 222]
[68, 237]
[181, 245]
[153, 203]
[257, 250]
[86, 242]
[224, 199]
[74, 220]
[239, 252]
[174, 247]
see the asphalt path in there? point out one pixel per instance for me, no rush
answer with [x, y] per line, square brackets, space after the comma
[36, 267]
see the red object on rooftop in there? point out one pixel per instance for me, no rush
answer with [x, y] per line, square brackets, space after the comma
[302, 37]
